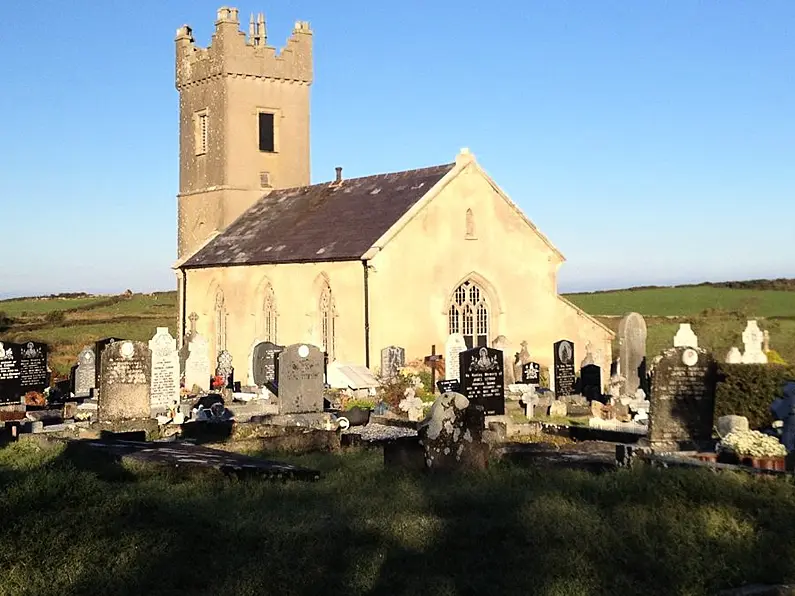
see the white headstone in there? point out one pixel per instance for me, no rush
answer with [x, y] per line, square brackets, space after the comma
[454, 345]
[85, 374]
[197, 366]
[685, 338]
[752, 340]
[734, 356]
[164, 391]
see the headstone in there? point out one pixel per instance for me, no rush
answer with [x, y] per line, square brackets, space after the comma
[589, 359]
[591, 381]
[766, 341]
[452, 434]
[482, 379]
[731, 423]
[632, 349]
[682, 398]
[453, 347]
[524, 355]
[125, 382]
[448, 385]
[10, 371]
[685, 337]
[224, 369]
[393, 358]
[299, 376]
[85, 374]
[557, 409]
[531, 373]
[165, 371]
[197, 366]
[734, 356]
[564, 368]
[753, 338]
[99, 346]
[501, 343]
[33, 373]
[184, 350]
[264, 362]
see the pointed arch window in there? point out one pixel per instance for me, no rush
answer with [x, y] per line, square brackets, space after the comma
[270, 314]
[468, 314]
[220, 322]
[327, 315]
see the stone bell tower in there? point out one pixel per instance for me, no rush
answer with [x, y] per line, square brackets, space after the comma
[243, 122]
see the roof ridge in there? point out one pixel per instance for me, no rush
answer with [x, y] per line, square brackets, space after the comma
[361, 178]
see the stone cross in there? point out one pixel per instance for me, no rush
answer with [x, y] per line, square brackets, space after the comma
[193, 318]
[431, 361]
[685, 337]
[753, 340]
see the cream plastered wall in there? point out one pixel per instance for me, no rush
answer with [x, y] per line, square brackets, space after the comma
[297, 289]
[416, 272]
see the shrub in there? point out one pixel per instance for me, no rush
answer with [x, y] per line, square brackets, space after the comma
[749, 389]
[774, 357]
[55, 317]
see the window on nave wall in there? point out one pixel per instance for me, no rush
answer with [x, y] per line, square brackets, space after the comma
[220, 322]
[327, 316]
[468, 314]
[270, 315]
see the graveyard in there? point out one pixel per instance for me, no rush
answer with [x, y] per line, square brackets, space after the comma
[136, 465]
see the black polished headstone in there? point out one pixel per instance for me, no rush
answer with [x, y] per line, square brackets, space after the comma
[10, 372]
[565, 377]
[264, 362]
[33, 367]
[482, 378]
[531, 373]
[591, 381]
[445, 385]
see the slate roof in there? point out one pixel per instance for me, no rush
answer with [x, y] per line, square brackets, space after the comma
[322, 222]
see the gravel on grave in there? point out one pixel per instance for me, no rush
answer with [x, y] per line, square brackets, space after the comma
[380, 432]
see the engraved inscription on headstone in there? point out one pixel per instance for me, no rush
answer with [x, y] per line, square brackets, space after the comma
[125, 378]
[531, 373]
[453, 347]
[482, 378]
[10, 370]
[264, 362]
[682, 398]
[448, 385]
[85, 373]
[632, 350]
[33, 375]
[164, 390]
[565, 376]
[393, 358]
[197, 366]
[300, 370]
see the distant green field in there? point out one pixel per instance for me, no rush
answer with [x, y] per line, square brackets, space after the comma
[688, 301]
[42, 306]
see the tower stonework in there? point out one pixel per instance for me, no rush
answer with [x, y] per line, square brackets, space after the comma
[243, 122]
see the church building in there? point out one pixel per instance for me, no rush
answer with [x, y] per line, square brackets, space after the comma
[350, 265]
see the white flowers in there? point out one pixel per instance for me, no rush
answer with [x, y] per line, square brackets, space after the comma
[752, 443]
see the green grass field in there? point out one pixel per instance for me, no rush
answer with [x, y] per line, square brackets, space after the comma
[75, 526]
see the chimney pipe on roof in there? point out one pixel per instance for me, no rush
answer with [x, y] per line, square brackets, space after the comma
[339, 174]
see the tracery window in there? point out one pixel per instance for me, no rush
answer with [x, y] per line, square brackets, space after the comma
[327, 315]
[468, 314]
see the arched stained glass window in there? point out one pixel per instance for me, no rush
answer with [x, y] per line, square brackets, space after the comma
[468, 314]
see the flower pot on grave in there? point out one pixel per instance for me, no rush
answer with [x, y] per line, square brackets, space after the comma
[765, 463]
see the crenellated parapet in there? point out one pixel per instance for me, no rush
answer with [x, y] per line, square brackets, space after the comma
[232, 53]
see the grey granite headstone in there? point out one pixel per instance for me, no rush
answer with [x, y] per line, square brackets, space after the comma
[165, 370]
[125, 380]
[85, 373]
[393, 358]
[197, 366]
[299, 377]
[263, 364]
[632, 349]
[682, 398]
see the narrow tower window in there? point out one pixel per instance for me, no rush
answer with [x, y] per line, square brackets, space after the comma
[266, 132]
[201, 132]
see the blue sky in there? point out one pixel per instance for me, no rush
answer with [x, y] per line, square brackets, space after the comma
[653, 142]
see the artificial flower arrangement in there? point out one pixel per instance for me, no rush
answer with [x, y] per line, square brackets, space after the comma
[752, 443]
[218, 382]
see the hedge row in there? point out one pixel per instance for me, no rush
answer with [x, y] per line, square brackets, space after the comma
[749, 389]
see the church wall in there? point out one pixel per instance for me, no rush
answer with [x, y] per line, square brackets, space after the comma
[297, 289]
[417, 271]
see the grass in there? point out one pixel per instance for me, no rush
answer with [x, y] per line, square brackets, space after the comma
[76, 527]
[688, 301]
[41, 306]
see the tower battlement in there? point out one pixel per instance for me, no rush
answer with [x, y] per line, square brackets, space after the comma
[232, 53]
